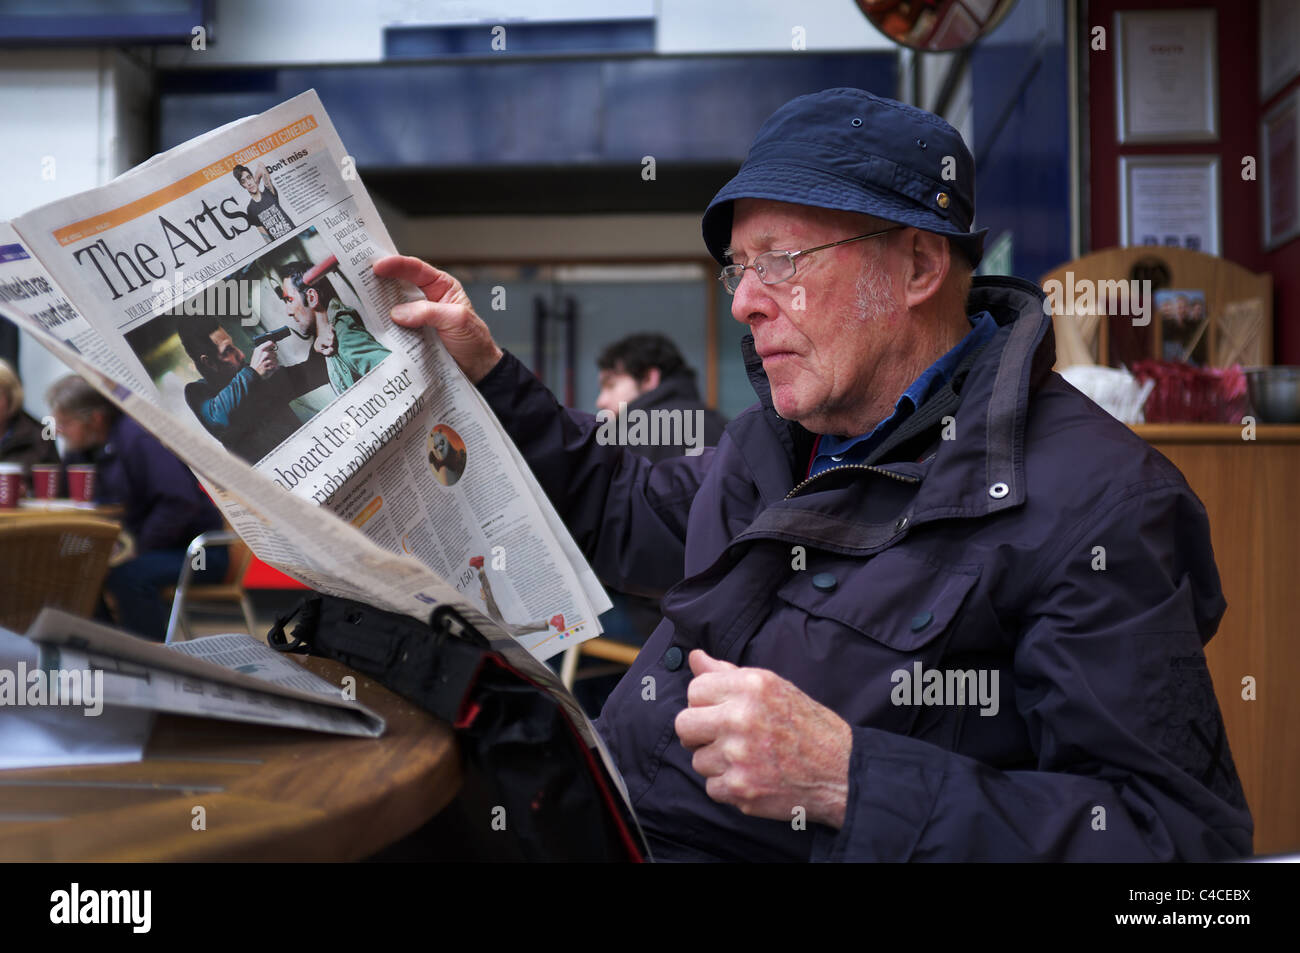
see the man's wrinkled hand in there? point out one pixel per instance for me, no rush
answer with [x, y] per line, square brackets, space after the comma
[763, 745]
[446, 309]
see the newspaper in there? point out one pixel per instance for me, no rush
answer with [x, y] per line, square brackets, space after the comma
[231, 677]
[222, 295]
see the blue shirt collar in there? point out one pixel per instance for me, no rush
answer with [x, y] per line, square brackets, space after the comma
[833, 450]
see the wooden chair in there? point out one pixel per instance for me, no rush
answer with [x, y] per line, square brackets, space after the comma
[230, 589]
[52, 560]
[606, 649]
[1238, 304]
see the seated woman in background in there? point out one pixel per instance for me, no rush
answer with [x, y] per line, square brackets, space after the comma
[20, 432]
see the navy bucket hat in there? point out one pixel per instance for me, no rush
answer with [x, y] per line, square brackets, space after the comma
[848, 149]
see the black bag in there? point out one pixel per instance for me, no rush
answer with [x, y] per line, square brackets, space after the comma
[518, 743]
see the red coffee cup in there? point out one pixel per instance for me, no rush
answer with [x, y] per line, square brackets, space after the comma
[45, 480]
[81, 482]
[11, 485]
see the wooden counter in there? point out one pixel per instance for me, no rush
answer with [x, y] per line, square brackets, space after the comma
[1251, 490]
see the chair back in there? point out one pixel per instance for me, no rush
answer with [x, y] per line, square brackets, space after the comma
[1238, 306]
[56, 560]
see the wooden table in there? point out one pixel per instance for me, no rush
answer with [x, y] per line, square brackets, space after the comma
[1250, 491]
[267, 793]
[39, 509]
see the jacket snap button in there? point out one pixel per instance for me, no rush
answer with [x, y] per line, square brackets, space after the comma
[920, 621]
[824, 582]
[998, 490]
[673, 658]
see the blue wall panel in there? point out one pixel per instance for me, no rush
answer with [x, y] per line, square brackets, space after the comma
[527, 112]
[1021, 119]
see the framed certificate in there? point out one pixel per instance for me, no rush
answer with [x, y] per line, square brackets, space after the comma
[1171, 201]
[1279, 53]
[1280, 142]
[1167, 81]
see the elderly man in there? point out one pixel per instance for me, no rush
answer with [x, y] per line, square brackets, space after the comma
[925, 601]
[164, 507]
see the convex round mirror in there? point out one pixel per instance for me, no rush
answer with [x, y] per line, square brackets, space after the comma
[935, 26]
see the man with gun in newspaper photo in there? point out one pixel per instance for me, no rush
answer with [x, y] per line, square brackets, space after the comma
[244, 402]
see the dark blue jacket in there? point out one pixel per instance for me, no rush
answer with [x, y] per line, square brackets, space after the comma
[164, 506]
[983, 552]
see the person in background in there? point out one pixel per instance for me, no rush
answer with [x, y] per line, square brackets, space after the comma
[20, 432]
[643, 373]
[164, 507]
[646, 372]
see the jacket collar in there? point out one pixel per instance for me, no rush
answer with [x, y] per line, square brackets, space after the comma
[673, 387]
[981, 470]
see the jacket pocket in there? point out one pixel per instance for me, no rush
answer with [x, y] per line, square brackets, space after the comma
[903, 602]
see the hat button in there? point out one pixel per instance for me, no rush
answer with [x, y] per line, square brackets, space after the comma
[942, 199]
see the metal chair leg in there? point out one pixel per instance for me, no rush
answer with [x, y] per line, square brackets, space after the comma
[250, 620]
[569, 667]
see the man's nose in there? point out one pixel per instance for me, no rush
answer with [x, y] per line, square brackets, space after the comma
[751, 300]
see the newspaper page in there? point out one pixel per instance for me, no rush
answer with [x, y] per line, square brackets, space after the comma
[230, 678]
[228, 283]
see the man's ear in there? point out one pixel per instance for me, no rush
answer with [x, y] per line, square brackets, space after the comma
[650, 379]
[312, 297]
[206, 363]
[928, 266]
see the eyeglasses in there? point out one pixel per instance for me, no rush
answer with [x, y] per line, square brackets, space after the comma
[774, 267]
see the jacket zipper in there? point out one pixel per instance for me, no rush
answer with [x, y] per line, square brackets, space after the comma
[854, 466]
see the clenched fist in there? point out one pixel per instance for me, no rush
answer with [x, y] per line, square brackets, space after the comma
[763, 745]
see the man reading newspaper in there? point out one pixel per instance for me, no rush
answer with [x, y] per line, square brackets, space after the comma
[884, 640]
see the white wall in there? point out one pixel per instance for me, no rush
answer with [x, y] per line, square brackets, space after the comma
[710, 26]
